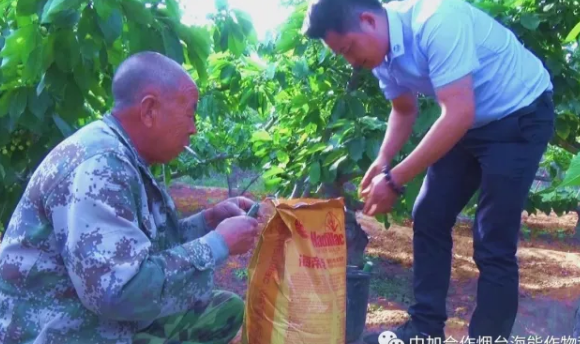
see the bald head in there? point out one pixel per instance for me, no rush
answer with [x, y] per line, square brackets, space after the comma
[147, 72]
[155, 102]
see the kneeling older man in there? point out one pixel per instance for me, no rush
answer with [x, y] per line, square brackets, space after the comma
[94, 252]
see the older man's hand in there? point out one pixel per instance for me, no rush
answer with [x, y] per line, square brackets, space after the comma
[231, 207]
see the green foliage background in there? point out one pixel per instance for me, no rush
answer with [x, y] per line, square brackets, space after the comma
[285, 104]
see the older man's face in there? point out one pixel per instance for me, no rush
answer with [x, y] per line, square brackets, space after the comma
[178, 122]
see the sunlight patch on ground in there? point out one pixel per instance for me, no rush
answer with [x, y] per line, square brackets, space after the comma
[565, 222]
[386, 317]
[540, 269]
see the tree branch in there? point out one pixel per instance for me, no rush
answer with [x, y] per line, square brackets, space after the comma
[354, 80]
[297, 188]
[573, 148]
[218, 157]
[543, 179]
[250, 184]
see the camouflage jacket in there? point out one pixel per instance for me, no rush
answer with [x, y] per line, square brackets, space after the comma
[95, 252]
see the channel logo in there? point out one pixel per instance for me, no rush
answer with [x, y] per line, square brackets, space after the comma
[389, 337]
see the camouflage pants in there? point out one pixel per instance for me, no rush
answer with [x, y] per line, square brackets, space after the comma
[215, 322]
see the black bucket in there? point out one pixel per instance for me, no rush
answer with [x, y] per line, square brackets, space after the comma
[357, 298]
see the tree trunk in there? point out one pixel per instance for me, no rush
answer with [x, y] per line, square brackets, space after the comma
[356, 240]
[230, 194]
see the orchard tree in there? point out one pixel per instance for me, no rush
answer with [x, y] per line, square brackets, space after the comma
[286, 105]
[57, 59]
[331, 119]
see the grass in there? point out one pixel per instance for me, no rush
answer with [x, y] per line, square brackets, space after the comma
[241, 273]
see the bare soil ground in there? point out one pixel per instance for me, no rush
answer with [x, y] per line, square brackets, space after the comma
[549, 271]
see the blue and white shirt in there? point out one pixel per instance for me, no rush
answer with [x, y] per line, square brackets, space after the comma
[434, 42]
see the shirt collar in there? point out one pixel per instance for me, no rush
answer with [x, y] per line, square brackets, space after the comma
[114, 124]
[396, 42]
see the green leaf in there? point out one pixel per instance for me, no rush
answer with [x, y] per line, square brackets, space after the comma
[66, 52]
[356, 107]
[137, 12]
[236, 43]
[28, 7]
[18, 103]
[573, 35]
[426, 120]
[19, 45]
[84, 77]
[530, 21]
[283, 157]
[317, 147]
[271, 71]
[274, 171]
[356, 148]
[314, 173]
[104, 8]
[412, 191]
[173, 10]
[562, 128]
[227, 72]
[65, 129]
[300, 69]
[245, 22]
[40, 58]
[372, 148]
[198, 47]
[5, 101]
[61, 12]
[112, 26]
[338, 110]
[72, 103]
[52, 80]
[261, 135]
[384, 219]
[172, 45]
[572, 177]
[336, 164]
[38, 104]
[288, 40]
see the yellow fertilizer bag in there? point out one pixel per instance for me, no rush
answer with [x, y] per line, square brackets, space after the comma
[297, 276]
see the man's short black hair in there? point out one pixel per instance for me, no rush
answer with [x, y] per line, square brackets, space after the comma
[339, 16]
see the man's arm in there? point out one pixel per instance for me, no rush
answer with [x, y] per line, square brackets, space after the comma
[194, 226]
[108, 256]
[450, 48]
[400, 125]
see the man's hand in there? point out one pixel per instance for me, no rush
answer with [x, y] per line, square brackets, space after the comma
[376, 168]
[379, 197]
[234, 206]
[239, 233]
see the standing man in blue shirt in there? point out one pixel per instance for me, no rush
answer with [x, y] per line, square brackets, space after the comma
[497, 117]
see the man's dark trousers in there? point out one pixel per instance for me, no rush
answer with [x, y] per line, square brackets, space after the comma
[501, 159]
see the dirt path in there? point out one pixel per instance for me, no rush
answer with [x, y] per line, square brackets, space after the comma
[549, 280]
[549, 287]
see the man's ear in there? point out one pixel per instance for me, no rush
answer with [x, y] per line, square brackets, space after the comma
[368, 19]
[149, 110]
